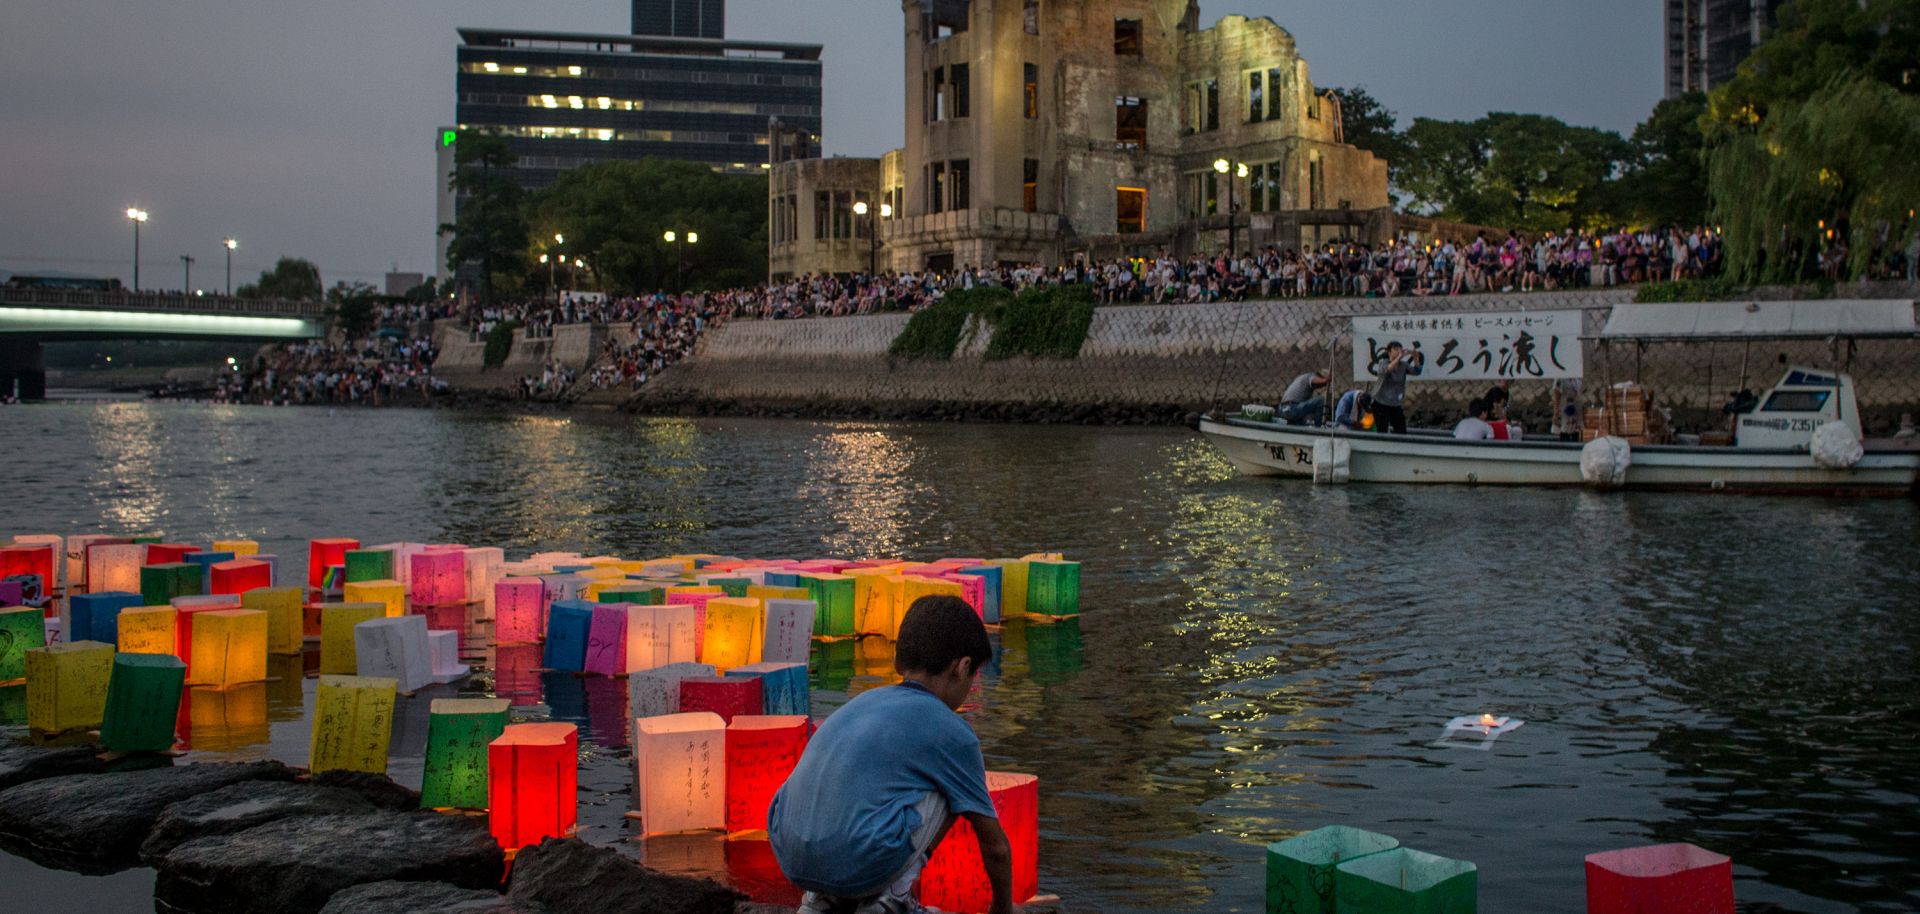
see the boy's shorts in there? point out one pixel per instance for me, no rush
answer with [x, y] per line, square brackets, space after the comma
[897, 893]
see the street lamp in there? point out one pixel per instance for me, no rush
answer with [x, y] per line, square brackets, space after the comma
[549, 262]
[231, 245]
[137, 216]
[186, 275]
[861, 209]
[1239, 170]
[680, 243]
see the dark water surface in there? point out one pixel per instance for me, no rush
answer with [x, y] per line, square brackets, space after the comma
[1257, 658]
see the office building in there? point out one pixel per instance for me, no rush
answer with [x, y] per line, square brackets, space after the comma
[680, 18]
[1707, 40]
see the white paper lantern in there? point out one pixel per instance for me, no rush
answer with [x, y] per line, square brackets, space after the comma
[395, 648]
[680, 763]
[659, 636]
[656, 692]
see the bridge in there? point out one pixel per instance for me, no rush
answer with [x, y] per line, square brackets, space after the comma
[30, 317]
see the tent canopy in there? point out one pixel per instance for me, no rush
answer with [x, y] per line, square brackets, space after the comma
[1737, 320]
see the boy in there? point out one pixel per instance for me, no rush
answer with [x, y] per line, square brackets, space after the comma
[887, 775]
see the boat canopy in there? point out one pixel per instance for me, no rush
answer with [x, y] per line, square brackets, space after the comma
[1738, 320]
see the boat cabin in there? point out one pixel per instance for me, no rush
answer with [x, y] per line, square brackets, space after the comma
[1789, 414]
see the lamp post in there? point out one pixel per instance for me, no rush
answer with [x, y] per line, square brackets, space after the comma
[186, 275]
[861, 209]
[230, 245]
[549, 262]
[1239, 170]
[136, 216]
[680, 241]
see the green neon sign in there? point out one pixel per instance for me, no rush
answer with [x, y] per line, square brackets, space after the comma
[447, 137]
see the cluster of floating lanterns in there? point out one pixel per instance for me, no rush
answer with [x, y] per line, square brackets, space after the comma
[714, 648]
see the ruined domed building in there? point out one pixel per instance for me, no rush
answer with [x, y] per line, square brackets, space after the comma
[1045, 130]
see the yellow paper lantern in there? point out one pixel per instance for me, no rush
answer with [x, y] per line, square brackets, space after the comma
[875, 590]
[1013, 586]
[735, 632]
[390, 594]
[285, 625]
[912, 588]
[337, 654]
[237, 547]
[229, 648]
[764, 593]
[149, 630]
[352, 724]
[67, 686]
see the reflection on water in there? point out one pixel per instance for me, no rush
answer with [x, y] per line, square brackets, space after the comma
[1257, 658]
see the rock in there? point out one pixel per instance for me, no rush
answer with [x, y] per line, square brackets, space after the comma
[21, 762]
[571, 876]
[238, 807]
[94, 823]
[296, 865]
[754, 907]
[415, 897]
[377, 789]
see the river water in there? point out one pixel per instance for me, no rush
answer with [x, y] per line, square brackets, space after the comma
[1256, 658]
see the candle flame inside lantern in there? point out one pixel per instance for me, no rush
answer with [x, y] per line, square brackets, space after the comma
[1487, 720]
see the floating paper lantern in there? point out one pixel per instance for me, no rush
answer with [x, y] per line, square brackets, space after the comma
[954, 878]
[229, 647]
[205, 562]
[439, 577]
[188, 608]
[396, 649]
[484, 564]
[764, 593]
[77, 551]
[790, 578]
[96, 616]
[1013, 586]
[1409, 881]
[67, 685]
[628, 593]
[973, 590]
[283, 608]
[992, 577]
[115, 566]
[735, 632]
[143, 701]
[22, 628]
[833, 597]
[13, 591]
[148, 630]
[872, 600]
[160, 583]
[1053, 588]
[761, 754]
[37, 559]
[658, 636]
[1661, 879]
[914, 587]
[390, 594]
[239, 576]
[352, 724]
[697, 598]
[783, 687]
[444, 648]
[1300, 870]
[680, 762]
[368, 565]
[403, 554]
[565, 587]
[520, 610]
[532, 770]
[607, 641]
[458, 731]
[727, 697]
[656, 692]
[569, 622]
[338, 655]
[169, 553]
[323, 553]
[789, 631]
[237, 547]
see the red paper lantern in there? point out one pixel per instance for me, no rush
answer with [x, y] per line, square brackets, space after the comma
[320, 554]
[1662, 879]
[761, 753]
[532, 789]
[240, 575]
[728, 698]
[33, 559]
[168, 553]
[955, 879]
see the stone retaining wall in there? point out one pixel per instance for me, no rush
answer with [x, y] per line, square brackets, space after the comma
[462, 359]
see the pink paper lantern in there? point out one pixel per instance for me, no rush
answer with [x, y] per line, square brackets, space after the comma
[973, 589]
[607, 640]
[439, 576]
[520, 610]
[1661, 879]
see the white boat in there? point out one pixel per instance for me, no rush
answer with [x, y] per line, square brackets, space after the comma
[1773, 450]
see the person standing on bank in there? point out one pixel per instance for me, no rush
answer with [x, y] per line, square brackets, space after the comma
[1392, 367]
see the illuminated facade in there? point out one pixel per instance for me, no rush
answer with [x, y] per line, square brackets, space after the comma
[1707, 40]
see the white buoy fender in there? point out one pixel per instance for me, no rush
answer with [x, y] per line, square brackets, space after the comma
[1836, 447]
[1332, 461]
[1604, 462]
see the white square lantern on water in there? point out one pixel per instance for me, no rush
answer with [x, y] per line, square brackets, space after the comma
[444, 649]
[656, 692]
[789, 637]
[659, 636]
[115, 567]
[484, 569]
[395, 648]
[403, 554]
[680, 765]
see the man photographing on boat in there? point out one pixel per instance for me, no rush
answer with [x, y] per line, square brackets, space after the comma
[1392, 367]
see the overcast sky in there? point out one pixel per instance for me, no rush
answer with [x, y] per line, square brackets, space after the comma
[308, 128]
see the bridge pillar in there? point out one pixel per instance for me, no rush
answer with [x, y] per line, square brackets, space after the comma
[23, 371]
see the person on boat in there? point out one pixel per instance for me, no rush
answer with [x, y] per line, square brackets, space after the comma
[1569, 414]
[1475, 426]
[1390, 395]
[1351, 412]
[1303, 402]
[1497, 399]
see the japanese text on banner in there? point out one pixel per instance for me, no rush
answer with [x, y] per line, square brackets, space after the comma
[1484, 346]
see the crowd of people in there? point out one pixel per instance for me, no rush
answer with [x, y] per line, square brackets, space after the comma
[374, 369]
[1382, 407]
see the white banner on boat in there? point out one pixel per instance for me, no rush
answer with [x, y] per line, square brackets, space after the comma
[1483, 346]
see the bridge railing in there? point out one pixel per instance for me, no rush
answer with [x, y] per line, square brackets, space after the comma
[162, 302]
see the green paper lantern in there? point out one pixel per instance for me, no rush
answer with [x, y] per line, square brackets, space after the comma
[22, 628]
[159, 584]
[732, 587]
[458, 731]
[832, 596]
[1053, 588]
[1300, 870]
[1403, 881]
[636, 596]
[369, 565]
[13, 705]
[143, 702]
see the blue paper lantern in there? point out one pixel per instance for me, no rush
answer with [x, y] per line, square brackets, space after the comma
[568, 624]
[96, 616]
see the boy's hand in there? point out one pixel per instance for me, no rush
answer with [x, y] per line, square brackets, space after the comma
[996, 855]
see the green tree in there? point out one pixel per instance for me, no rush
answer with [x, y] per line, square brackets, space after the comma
[1666, 178]
[491, 229]
[616, 214]
[1523, 171]
[291, 278]
[353, 304]
[1371, 126]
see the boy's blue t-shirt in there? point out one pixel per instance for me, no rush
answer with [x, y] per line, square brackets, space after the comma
[843, 823]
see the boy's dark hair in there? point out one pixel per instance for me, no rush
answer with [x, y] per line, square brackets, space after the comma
[1495, 395]
[1477, 408]
[937, 631]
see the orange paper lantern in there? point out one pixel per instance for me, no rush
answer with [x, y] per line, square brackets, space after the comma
[954, 878]
[761, 754]
[532, 772]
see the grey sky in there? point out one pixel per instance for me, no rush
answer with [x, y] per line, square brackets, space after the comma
[307, 128]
